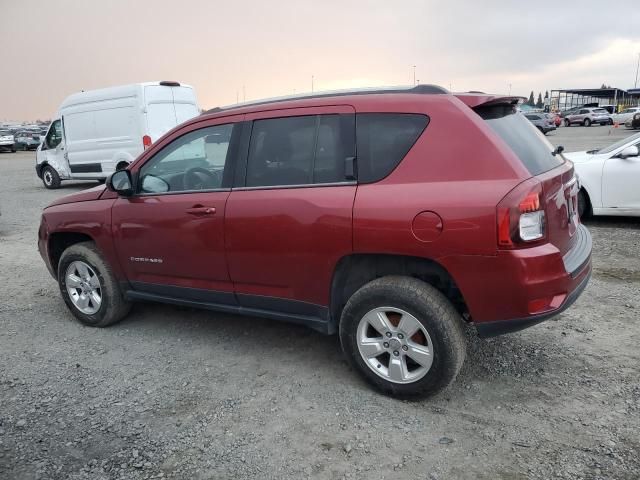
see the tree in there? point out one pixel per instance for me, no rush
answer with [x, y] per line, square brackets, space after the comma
[531, 102]
[539, 103]
[546, 94]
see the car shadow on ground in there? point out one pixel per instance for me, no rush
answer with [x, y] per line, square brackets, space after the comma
[613, 222]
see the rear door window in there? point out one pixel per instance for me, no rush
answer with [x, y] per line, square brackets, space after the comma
[383, 140]
[531, 147]
[302, 150]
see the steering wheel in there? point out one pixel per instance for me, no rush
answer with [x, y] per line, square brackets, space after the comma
[198, 178]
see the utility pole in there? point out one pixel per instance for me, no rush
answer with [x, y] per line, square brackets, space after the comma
[237, 96]
[414, 75]
[509, 89]
[244, 94]
[311, 83]
[635, 85]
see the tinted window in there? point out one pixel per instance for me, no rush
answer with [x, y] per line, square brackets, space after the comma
[532, 117]
[299, 150]
[383, 140]
[194, 161]
[523, 138]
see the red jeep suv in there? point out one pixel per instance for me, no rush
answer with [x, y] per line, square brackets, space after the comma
[390, 216]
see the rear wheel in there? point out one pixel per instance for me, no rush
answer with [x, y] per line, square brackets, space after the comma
[50, 177]
[403, 336]
[586, 122]
[89, 288]
[567, 123]
[584, 204]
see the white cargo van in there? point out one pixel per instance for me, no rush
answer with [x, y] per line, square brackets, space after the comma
[98, 132]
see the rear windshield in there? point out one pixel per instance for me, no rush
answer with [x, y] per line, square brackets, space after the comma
[601, 110]
[529, 144]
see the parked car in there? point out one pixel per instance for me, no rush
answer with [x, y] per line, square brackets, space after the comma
[587, 117]
[358, 213]
[7, 142]
[633, 122]
[98, 132]
[624, 115]
[26, 140]
[542, 121]
[609, 178]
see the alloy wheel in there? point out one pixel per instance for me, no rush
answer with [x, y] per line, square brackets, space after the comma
[83, 287]
[394, 345]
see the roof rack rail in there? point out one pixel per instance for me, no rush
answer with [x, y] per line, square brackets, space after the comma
[417, 89]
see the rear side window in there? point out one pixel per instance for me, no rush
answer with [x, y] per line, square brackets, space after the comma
[303, 150]
[383, 140]
[531, 147]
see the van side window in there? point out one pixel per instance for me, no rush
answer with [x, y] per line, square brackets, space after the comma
[383, 140]
[301, 150]
[194, 161]
[54, 136]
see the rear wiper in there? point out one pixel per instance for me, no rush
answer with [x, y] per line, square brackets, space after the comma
[593, 152]
[559, 149]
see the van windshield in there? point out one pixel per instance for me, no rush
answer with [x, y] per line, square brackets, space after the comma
[530, 146]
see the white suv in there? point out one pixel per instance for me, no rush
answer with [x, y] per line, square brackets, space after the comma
[588, 116]
[7, 141]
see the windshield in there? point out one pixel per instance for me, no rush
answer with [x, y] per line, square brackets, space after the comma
[533, 149]
[619, 144]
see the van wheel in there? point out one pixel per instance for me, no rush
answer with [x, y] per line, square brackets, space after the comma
[121, 166]
[403, 336]
[89, 288]
[567, 123]
[50, 178]
[587, 122]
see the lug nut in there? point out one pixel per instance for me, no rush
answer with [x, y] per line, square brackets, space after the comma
[405, 348]
[388, 334]
[400, 336]
[386, 345]
[396, 353]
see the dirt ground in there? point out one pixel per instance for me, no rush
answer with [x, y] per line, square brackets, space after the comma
[178, 393]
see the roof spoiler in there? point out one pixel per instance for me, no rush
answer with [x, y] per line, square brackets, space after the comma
[476, 99]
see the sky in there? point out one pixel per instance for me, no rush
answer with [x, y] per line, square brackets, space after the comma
[235, 50]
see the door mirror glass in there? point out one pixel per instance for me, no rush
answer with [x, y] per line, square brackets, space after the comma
[120, 182]
[153, 184]
[631, 151]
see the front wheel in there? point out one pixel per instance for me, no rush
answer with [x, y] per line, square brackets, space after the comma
[403, 336]
[50, 177]
[587, 122]
[567, 123]
[584, 205]
[89, 288]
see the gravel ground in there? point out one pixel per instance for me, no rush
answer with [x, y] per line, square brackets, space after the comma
[178, 393]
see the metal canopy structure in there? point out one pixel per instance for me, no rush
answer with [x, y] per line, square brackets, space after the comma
[564, 99]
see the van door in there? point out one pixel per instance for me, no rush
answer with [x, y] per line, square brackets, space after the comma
[167, 107]
[52, 150]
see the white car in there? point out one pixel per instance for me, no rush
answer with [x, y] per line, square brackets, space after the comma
[609, 178]
[624, 115]
[7, 141]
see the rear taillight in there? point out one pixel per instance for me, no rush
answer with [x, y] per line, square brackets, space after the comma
[146, 141]
[520, 216]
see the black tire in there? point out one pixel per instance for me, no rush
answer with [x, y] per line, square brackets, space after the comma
[13, 150]
[611, 121]
[114, 307]
[432, 309]
[584, 204]
[566, 122]
[586, 122]
[121, 166]
[50, 178]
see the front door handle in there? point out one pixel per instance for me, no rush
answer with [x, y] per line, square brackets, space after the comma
[200, 210]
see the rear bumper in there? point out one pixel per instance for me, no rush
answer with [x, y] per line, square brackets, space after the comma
[516, 289]
[492, 329]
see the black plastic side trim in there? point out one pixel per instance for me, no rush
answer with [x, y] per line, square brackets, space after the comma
[293, 311]
[185, 293]
[86, 168]
[579, 254]
[492, 329]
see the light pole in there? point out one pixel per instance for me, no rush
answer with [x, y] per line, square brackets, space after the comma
[635, 85]
[509, 89]
[414, 75]
[311, 83]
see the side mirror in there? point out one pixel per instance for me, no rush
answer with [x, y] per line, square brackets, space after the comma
[631, 151]
[120, 182]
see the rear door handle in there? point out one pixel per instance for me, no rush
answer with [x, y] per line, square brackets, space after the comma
[199, 211]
